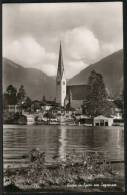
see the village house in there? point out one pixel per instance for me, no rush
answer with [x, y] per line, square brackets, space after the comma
[76, 94]
[12, 109]
[103, 121]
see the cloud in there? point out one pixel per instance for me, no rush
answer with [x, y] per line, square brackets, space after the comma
[107, 48]
[50, 69]
[73, 67]
[81, 43]
[89, 32]
[42, 20]
[29, 53]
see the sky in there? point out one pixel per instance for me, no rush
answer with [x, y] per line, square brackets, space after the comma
[88, 32]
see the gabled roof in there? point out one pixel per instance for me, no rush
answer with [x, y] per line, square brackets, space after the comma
[77, 92]
[101, 117]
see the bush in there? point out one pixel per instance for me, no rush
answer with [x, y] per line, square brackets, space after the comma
[92, 165]
[14, 118]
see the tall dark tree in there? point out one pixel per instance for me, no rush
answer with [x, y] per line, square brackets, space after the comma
[11, 95]
[96, 100]
[27, 104]
[5, 100]
[44, 99]
[35, 105]
[119, 103]
[21, 95]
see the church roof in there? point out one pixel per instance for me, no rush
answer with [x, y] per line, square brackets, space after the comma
[60, 69]
[77, 92]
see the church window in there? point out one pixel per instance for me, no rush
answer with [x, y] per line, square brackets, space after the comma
[63, 82]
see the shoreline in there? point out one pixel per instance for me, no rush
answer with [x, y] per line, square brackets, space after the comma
[72, 125]
[90, 173]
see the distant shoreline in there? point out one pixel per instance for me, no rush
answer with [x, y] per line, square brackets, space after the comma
[77, 125]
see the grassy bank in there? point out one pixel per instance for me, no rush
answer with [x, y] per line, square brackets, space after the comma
[92, 173]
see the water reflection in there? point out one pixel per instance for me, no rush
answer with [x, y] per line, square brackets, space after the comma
[90, 138]
[59, 140]
[62, 141]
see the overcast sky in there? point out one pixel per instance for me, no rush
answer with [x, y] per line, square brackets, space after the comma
[88, 32]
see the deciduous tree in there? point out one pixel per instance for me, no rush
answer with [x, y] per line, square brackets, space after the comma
[21, 95]
[96, 101]
[11, 95]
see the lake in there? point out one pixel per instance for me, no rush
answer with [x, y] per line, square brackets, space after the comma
[60, 140]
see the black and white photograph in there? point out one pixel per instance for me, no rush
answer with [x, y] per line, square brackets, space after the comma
[63, 97]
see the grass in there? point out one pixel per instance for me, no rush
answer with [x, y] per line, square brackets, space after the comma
[92, 172]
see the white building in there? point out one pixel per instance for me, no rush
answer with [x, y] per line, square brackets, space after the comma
[60, 81]
[13, 108]
[30, 118]
[103, 121]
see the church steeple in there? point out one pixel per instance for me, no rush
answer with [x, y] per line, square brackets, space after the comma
[60, 69]
[60, 80]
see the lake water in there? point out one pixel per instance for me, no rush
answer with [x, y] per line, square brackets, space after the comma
[60, 140]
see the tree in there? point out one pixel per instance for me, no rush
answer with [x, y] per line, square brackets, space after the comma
[5, 100]
[43, 99]
[49, 115]
[96, 100]
[36, 105]
[119, 102]
[21, 95]
[27, 104]
[11, 95]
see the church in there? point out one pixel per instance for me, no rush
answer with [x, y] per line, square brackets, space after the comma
[72, 95]
[60, 81]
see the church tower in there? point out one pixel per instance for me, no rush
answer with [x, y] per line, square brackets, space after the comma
[60, 80]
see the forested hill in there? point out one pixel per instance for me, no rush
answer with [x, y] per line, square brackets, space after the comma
[36, 83]
[111, 67]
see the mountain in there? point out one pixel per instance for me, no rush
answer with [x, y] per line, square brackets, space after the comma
[111, 67]
[36, 83]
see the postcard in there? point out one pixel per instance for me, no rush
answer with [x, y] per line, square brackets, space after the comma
[63, 97]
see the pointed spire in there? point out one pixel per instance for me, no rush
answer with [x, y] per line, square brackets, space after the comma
[60, 63]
